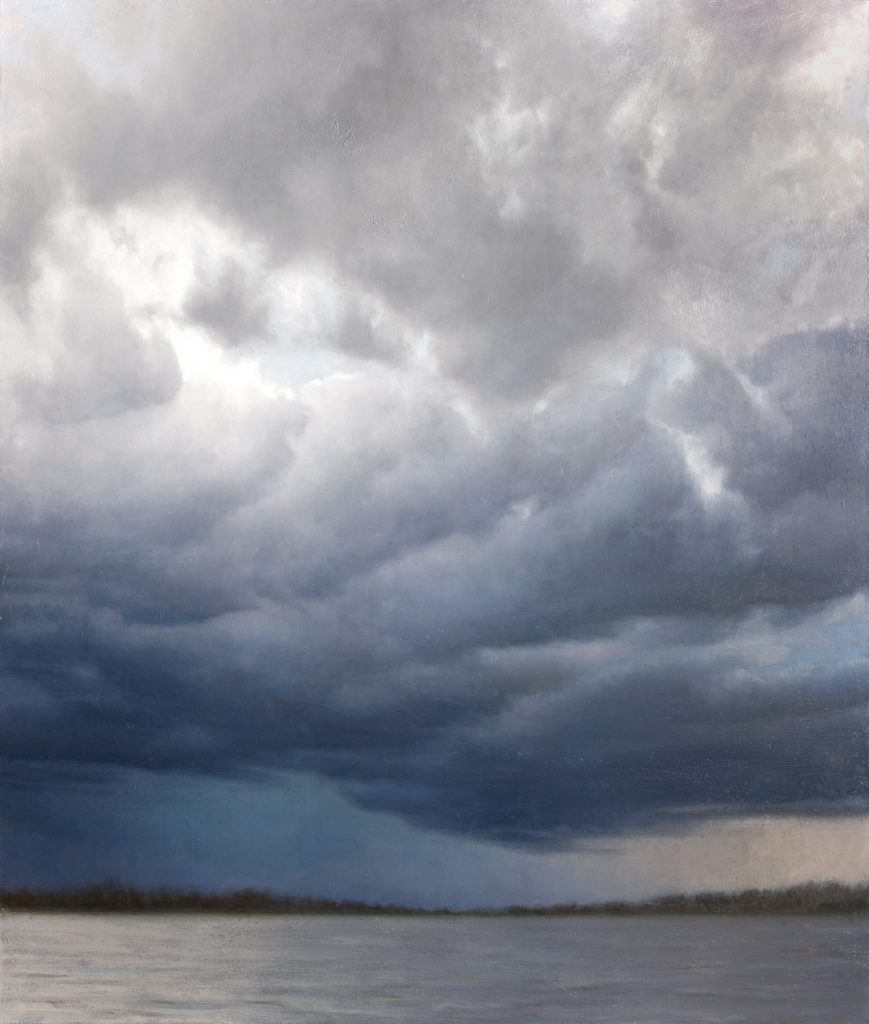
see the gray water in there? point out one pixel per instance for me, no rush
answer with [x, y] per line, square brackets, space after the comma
[277, 970]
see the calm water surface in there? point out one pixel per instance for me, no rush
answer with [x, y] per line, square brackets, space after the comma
[272, 970]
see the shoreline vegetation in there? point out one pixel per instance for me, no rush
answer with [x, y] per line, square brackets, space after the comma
[110, 897]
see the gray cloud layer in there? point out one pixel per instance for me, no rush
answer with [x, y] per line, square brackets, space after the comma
[559, 547]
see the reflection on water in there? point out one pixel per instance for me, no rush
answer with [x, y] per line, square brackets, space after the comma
[277, 970]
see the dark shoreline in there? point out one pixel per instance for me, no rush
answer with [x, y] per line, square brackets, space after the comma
[812, 898]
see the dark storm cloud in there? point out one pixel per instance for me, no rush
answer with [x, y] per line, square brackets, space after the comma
[493, 579]
[646, 751]
[532, 752]
[372, 670]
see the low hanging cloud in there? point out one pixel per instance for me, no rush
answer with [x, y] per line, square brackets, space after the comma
[464, 405]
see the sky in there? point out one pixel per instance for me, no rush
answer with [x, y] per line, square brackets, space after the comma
[433, 446]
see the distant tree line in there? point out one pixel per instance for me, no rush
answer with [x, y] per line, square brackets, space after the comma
[810, 898]
[109, 897]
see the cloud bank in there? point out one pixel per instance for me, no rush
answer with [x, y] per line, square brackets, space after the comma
[465, 404]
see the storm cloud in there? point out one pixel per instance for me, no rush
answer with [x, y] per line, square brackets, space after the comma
[462, 404]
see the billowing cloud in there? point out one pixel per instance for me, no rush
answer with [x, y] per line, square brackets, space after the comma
[463, 405]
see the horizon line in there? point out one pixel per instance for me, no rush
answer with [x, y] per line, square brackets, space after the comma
[820, 896]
